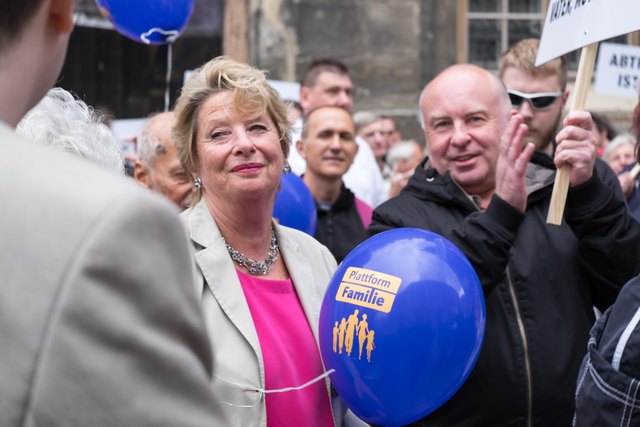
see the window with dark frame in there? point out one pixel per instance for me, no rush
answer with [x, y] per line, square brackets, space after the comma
[494, 25]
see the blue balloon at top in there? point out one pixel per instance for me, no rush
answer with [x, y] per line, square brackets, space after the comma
[295, 206]
[402, 324]
[148, 21]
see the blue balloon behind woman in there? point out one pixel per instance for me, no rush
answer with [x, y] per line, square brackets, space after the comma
[295, 206]
[402, 324]
[148, 21]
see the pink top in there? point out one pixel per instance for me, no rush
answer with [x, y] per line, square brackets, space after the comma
[291, 356]
[365, 212]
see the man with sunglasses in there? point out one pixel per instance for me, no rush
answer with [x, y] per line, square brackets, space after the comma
[539, 95]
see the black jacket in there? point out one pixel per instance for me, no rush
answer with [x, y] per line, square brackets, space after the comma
[540, 282]
[339, 226]
[609, 380]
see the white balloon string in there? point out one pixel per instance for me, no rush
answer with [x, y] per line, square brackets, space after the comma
[261, 391]
[167, 89]
[169, 35]
[300, 387]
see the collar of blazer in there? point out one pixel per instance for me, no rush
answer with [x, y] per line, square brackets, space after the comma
[221, 277]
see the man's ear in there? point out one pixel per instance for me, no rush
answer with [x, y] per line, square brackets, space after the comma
[565, 98]
[141, 173]
[300, 148]
[304, 99]
[61, 15]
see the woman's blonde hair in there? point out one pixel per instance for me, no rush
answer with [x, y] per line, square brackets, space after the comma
[252, 96]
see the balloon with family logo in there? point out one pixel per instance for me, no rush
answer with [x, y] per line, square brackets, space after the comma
[402, 324]
[148, 21]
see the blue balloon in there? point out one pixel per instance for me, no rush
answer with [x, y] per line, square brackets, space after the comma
[402, 324]
[295, 206]
[148, 21]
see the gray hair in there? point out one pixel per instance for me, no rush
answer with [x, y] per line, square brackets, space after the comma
[402, 150]
[68, 124]
[617, 142]
[149, 144]
[364, 118]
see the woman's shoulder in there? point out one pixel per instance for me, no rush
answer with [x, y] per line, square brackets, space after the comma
[294, 235]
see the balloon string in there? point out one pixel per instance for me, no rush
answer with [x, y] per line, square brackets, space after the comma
[246, 387]
[167, 89]
[300, 387]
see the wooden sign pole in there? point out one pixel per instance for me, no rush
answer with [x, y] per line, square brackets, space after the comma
[578, 102]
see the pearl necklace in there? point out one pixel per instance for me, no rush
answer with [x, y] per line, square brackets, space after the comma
[254, 267]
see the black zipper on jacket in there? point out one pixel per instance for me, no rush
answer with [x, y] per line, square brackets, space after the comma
[525, 346]
[523, 334]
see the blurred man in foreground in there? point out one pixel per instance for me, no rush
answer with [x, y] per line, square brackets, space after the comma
[99, 322]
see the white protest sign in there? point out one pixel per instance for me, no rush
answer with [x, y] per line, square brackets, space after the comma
[572, 24]
[618, 70]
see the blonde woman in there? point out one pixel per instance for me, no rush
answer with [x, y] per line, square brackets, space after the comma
[261, 284]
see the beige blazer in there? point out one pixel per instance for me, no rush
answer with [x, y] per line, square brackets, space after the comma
[236, 350]
[98, 322]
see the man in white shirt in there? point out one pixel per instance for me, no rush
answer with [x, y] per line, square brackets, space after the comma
[326, 82]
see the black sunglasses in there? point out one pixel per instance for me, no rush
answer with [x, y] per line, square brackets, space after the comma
[539, 101]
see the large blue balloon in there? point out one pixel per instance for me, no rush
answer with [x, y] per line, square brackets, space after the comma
[295, 206]
[148, 21]
[402, 324]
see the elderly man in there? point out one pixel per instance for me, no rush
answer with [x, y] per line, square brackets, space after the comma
[158, 167]
[481, 188]
[370, 127]
[402, 159]
[390, 130]
[99, 324]
[329, 146]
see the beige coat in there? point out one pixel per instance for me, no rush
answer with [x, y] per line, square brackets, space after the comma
[98, 322]
[236, 350]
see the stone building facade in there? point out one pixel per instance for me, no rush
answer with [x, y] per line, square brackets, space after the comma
[392, 47]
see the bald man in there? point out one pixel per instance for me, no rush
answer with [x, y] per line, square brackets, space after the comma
[328, 145]
[158, 167]
[482, 188]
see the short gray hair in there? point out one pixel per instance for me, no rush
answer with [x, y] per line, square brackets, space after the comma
[402, 150]
[149, 145]
[617, 142]
[68, 124]
[364, 118]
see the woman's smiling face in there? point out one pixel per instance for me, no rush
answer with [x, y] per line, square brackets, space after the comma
[237, 154]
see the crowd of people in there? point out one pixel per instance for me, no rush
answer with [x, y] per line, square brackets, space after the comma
[194, 307]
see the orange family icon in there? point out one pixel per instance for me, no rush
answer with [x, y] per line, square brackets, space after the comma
[345, 332]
